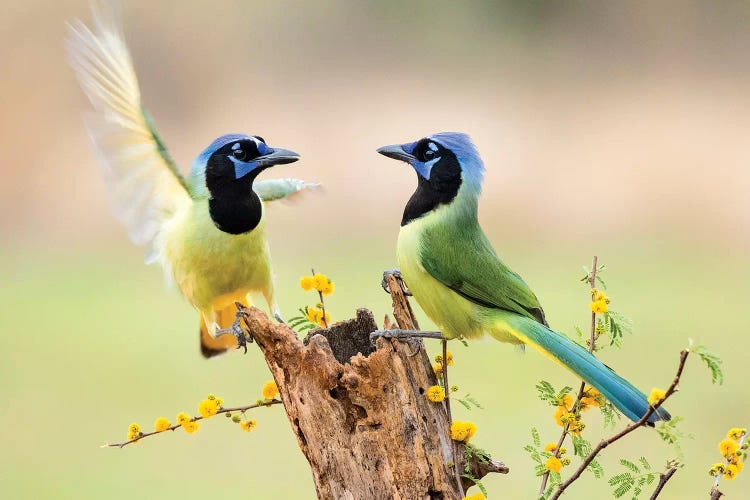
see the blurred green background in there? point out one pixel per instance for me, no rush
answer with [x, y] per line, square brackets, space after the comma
[610, 129]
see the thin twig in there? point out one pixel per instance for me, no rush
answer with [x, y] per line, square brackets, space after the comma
[447, 401]
[627, 430]
[663, 478]
[577, 404]
[322, 303]
[241, 409]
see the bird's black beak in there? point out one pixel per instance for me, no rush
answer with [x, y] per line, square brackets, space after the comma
[278, 156]
[397, 152]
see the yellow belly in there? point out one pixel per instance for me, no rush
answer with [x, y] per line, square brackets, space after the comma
[210, 267]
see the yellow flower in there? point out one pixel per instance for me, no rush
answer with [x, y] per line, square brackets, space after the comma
[731, 471]
[598, 306]
[438, 369]
[657, 396]
[320, 281]
[567, 402]
[191, 427]
[134, 431]
[208, 408]
[717, 469]
[248, 425]
[328, 288]
[435, 394]
[270, 390]
[315, 315]
[559, 415]
[736, 433]
[306, 282]
[162, 424]
[575, 424]
[598, 295]
[591, 399]
[183, 417]
[553, 464]
[463, 431]
[728, 447]
[475, 496]
[550, 447]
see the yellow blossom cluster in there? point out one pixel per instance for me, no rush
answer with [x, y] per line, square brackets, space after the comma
[732, 448]
[438, 366]
[248, 425]
[439, 358]
[187, 423]
[556, 462]
[315, 315]
[270, 390]
[435, 393]
[161, 424]
[564, 415]
[319, 282]
[463, 431]
[599, 301]
[591, 398]
[210, 406]
[475, 496]
[134, 431]
[657, 396]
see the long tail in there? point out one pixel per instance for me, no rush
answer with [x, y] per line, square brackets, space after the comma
[624, 395]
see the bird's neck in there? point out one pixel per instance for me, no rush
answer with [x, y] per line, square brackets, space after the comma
[235, 208]
[460, 202]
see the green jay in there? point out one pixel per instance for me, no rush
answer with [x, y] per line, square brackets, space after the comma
[207, 230]
[457, 278]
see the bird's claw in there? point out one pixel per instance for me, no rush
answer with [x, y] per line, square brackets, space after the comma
[413, 341]
[239, 333]
[396, 273]
[278, 317]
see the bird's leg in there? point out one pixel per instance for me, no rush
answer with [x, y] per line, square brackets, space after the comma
[236, 329]
[396, 272]
[405, 335]
[277, 315]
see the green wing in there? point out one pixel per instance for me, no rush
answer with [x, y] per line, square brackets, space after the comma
[462, 258]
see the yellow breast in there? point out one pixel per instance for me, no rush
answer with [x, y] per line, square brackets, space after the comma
[208, 263]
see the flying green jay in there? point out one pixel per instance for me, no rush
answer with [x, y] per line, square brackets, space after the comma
[457, 278]
[207, 230]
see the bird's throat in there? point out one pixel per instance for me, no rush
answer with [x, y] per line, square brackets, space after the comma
[427, 198]
[236, 210]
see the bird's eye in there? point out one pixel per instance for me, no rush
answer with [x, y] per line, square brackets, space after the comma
[239, 154]
[429, 154]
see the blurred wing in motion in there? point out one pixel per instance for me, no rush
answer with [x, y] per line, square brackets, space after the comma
[283, 189]
[145, 184]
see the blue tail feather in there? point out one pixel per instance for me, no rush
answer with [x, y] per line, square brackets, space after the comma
[624, 395]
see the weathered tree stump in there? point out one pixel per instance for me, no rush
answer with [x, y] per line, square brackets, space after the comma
[359, 413]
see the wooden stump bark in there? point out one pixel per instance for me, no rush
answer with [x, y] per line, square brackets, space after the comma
[359, 413]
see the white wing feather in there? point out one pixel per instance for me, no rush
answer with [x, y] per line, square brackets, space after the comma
[278, 189]
[146, 187]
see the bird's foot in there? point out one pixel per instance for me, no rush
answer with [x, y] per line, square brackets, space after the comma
[396, 273]
[277, 315]
[405, 335]
[236, 329]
